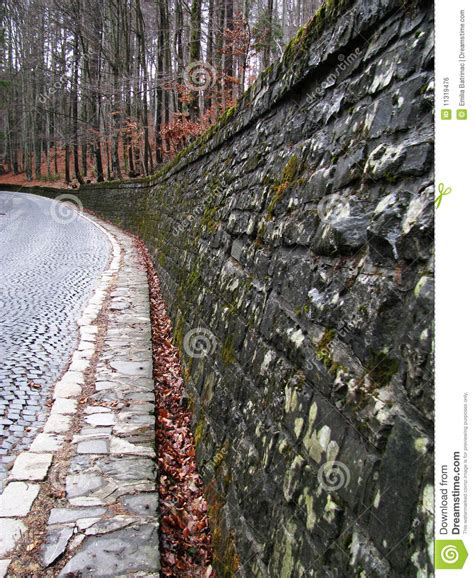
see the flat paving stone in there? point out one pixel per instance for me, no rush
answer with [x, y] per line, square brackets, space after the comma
[80, 364]
[127, 429]
[96, 409]
[67, 390]
[110, 525]
[93, 447]
[4, 567]
[122, 446]
[12, 531]
[131, 469]
[128, 417]
[119, 553]
[31, 466]
[17, 499]
[83, 484]
[64, 405]
[87, 437]
[56, 543]
[45, 443]
[103, 431]
[57, 423]
[103, 419]
[65, 515]
[102, 385]
[73, 377]
[134, 368]
[86, 523]
[141, 504]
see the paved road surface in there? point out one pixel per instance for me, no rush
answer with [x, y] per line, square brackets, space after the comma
[49, 261]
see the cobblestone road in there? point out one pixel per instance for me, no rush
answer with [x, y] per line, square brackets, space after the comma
[49, 262]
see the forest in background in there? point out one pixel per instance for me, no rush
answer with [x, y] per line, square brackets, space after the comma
[95, 90]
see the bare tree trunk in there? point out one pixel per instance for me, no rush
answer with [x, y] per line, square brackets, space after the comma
[229, 51]
[142, 52]
[195, 52]
[67, 154]
[75, 111]
[269, 35]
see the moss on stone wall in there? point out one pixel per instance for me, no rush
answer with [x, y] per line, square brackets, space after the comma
[228, 350]
[298, 47]
[226, 559]
[284, 183]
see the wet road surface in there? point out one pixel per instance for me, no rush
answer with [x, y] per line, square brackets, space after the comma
[50, 259]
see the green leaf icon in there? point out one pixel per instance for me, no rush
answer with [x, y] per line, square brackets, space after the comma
[450, 554]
